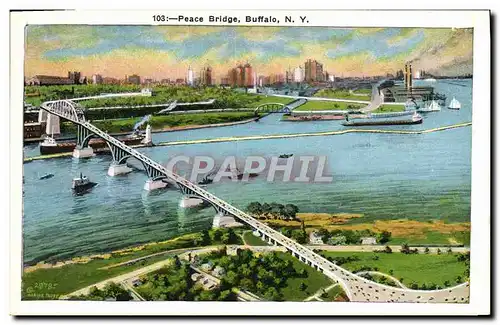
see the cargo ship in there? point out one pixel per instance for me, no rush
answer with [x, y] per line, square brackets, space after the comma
[51, 146]
[400, 120]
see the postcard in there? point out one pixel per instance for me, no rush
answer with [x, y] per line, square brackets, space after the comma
[250, 163]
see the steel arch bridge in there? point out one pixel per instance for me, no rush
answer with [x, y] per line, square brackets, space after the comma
[356, 287]
[272, 108]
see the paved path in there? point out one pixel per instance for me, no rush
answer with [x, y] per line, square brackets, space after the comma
[318, 293]
[401, 285]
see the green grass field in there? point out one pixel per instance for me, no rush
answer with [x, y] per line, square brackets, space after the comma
[270, 99]
[389, 108]
[342, 94]
[419, 268]
[164, 121]
[315, 280]
[315, 105]
[251, 240]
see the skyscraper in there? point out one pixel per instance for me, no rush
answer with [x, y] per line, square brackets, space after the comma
[313, 71]
[190, 77]
[248, 75]
[206, 76]
[298, 75]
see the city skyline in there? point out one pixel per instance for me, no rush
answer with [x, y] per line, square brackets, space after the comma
[167, 51]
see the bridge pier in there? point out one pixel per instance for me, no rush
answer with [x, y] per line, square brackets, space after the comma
[152, 185]
[86, 152]
[188, 202]
[118, 169]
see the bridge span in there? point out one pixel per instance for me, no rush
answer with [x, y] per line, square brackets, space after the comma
[356, 287]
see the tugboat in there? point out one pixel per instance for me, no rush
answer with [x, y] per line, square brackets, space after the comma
[286, 155]
[82, 184]
[206, 180]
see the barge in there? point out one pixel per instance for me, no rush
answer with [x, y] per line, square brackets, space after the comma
[402, 120]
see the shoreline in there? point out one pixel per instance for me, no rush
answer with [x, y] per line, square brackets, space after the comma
[161, 130]
[341, 221]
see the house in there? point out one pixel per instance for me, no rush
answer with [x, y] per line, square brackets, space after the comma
[218, 271]
[368, 241]
[207, 267]
[315, 238]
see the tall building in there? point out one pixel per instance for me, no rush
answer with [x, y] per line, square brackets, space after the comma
[241, 76]
[247, 75]
[298, 74]
[96, 79]
[313, 71]
[408, 76]
[206, 76]
[134, 79]
[190, 77]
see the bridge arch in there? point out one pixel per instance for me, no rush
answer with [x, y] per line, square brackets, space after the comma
[272, 108]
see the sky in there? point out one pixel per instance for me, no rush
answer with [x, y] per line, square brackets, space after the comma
[167, 51]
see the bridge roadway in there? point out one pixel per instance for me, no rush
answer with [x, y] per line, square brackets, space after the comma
[356, 288]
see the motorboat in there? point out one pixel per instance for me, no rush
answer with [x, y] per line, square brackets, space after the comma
[82, 184]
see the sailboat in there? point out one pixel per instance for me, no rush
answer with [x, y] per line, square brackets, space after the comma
[454, 104]
[433, 107]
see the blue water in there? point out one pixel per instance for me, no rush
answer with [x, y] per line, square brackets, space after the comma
[383, 176]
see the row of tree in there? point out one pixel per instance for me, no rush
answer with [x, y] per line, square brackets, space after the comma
[110, 291]
[273, 210]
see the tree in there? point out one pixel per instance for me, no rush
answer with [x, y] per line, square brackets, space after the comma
[391, 272]
[438, 251]
[384, 237]
[299, 236]
[216, 235]
[427, 251]
[177, 262]
[255, 208]
[225, 295]
[272, 294]
[232, 278]
[387, 250]
[303, 286]
[459, 279]
[405, 249]
[205, 237]
[449, 250]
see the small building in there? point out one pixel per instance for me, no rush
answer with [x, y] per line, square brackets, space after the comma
[315, 238]
[218, 271]
[207, 267]
[32, 130]
[368, 241]
[146, 92]
[136, 282]
[196, 276]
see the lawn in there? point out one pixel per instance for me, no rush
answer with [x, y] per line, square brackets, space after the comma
[315, 280]
[389, 108]
[165, 121]
[270, 99]
[315, 105]
[419, 268]
[251, 240]
[342, 94]
[52, 282]
[366, 91]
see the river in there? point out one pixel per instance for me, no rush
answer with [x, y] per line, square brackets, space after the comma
[383, 176]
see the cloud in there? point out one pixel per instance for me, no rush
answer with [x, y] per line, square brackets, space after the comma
[270, 49]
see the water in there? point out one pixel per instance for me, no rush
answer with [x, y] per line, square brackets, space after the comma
[382, 176]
